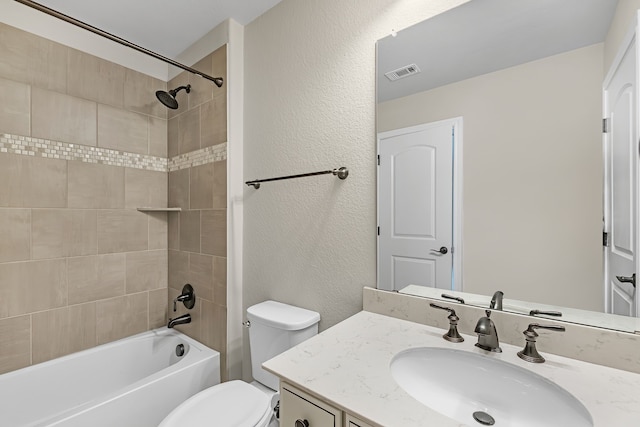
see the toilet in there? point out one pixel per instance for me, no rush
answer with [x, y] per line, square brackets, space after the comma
[274, 327]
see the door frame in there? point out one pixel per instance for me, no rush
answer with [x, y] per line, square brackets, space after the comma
[456, 249]
[607, 226]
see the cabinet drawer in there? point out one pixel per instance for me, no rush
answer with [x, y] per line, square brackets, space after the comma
[351, 421]
[297, 405]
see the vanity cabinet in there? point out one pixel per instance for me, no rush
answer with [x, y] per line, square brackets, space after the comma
[300, 409]
[351, 421]
[296, 407]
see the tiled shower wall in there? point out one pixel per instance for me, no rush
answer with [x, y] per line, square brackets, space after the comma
[83, 143]
[198, 185]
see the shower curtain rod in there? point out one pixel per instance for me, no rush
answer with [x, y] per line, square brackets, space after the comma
[98, 31]
[341, 173]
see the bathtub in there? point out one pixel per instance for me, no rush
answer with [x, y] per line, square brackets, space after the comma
[133, 382]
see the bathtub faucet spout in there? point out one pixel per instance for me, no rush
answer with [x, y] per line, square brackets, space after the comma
[185, 318]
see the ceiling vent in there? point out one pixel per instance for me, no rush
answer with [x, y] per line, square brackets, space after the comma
[402, 72]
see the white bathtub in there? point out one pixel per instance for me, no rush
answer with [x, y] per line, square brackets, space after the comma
[133, 382]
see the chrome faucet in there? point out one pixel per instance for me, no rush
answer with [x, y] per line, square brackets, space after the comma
[180, 320]
[487, 334]
[496, 301]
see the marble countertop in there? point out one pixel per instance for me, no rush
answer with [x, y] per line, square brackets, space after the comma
[348, 366]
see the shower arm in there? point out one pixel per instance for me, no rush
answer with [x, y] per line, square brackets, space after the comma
[102, 33]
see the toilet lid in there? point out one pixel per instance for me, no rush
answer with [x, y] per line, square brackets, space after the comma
[234, 403]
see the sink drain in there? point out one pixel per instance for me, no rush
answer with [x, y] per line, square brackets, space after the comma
[484, 418]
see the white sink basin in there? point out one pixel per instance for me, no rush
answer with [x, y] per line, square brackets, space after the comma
[460, 383]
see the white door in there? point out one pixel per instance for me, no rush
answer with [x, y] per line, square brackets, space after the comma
[621, 166]
[415, 206]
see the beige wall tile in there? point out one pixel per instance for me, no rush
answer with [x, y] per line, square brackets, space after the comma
[94, 278]
[189, 131]
[173, 232]
[44, 182]
[147, 270]
[139, 94]
[173, 140]
[220, 281]
[49, 230]
[158, 137]
[15, 342]
[11, 172]
[95, 79]
[95, 186]
[31, 59]
[121, 317]
[201, 186]
[60, 332]
[201, 275]
[62, 117]
[15, 109]
[15, 232]
[63, 232]
[82, 326]
[213, 118]
[214, 326]
[190, 231]
[201, 89]
[214, 232]
[178, 269]
[32, 182]
[143, 188]
[158, 308]
[122, 231]
[179, 189]
[158, 229]
[122, 130]
[220, 185]
[32, 286]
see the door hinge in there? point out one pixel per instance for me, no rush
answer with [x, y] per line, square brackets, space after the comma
[605, 239]
[378, 230]
[378, 159]
[605, 125]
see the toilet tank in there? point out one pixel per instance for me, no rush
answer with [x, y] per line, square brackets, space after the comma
[275, 328]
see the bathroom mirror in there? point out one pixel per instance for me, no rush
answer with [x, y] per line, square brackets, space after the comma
[524, 80]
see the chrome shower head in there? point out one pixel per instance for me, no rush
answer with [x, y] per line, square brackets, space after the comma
[168, 99]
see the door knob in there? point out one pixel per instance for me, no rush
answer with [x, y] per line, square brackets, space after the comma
[442, 250]
[302, 423]
[630, 279]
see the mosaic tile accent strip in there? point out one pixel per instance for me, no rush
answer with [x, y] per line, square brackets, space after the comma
[28, 146]
[198, 157]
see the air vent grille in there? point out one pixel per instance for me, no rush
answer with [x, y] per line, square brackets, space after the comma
[402, 72]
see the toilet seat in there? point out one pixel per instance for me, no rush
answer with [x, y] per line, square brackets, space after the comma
[231, 404]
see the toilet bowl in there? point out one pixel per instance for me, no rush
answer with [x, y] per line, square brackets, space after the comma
[274, 328]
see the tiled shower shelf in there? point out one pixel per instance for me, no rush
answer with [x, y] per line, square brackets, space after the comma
[160, 209]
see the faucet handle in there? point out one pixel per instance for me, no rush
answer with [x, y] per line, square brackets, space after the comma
[529, 352]
[452, 335]
[545, 313]
[460, 300]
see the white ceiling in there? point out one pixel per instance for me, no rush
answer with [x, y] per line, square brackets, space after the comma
[167, 27]
[483, 36]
